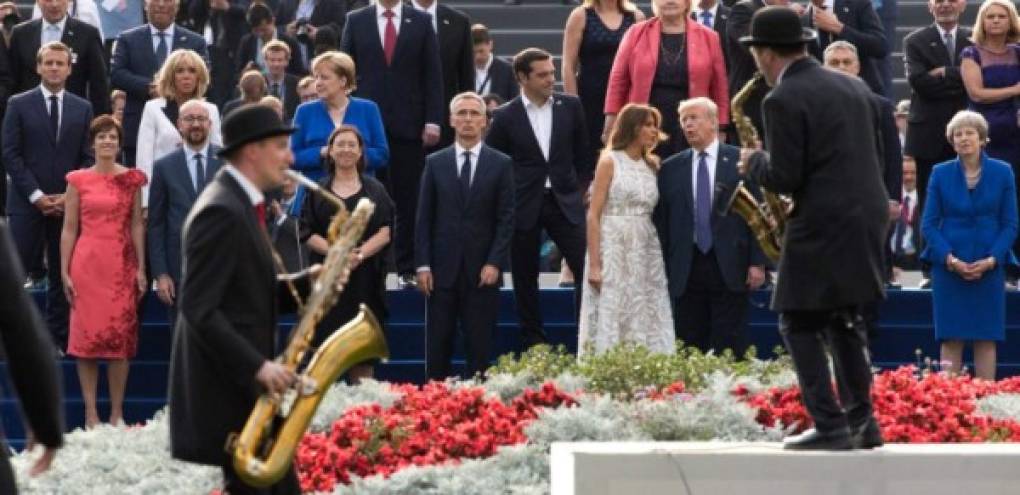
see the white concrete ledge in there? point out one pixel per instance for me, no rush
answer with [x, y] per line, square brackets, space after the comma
[715, 468]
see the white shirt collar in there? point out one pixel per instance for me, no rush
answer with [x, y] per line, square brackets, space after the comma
[475, 150]
[942, 32]
[712, 150]
[714, 10]
[431, 10]
[204, 150]
[47, 94]
[253, 192]
[169, 32]
[530, 104]
[60, 24]
[379, 10]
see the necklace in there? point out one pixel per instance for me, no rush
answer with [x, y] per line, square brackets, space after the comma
[348, 188]
[671, 48]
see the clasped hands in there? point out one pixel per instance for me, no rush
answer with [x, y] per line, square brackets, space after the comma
[969, 271]
[51, 205]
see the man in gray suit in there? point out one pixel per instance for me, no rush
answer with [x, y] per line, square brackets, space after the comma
[177, 179]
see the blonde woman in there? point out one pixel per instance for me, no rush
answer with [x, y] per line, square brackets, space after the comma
[626, 298]
[183, 77]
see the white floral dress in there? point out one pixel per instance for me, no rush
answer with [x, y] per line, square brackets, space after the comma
[633, 304]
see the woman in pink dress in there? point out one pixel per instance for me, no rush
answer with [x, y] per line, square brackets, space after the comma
[102, 263]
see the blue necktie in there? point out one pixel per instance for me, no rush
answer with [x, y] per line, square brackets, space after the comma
[54, 117]
[706, 18]
[199, 173]
[465, 176]
[161, 49]
[703, 206]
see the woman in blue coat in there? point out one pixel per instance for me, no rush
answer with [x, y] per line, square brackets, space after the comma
[969, 224]
[315, 120]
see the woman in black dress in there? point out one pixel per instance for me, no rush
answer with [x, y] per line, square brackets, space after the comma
[345, 178]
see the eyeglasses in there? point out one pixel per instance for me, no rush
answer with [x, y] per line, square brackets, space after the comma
[195, 119]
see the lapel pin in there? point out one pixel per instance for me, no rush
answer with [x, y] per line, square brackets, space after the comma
[446, 21]
[933, 44]
[559, 102]
[70, 33]
[407, 21]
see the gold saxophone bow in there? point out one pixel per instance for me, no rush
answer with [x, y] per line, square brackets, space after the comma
[264, 449]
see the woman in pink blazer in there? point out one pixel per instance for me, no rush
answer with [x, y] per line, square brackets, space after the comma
[663, 61]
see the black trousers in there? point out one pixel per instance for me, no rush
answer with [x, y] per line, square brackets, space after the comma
[407, 161]
[32, 233]
[525, 251]
[807, 334]
[7, 482]
[709, 315]
[475, 309]
[232, 485]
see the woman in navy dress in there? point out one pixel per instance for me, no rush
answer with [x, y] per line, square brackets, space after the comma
[969, 224]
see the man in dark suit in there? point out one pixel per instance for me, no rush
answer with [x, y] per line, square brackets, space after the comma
[854, 21]
[89, 78]
[493, 75]
[906, 229]
[224, 342]
[139, 53]
[713, 15]
[45, 136]
[399, 68]
[6, 86]
[222, 23]
[740, 63]
[936, 88]
[545, 134]
[465, 224]
[263, 30]
[453, 29]
[712, 259]
[279, 82]
[28, 352]
[826, 157]
[177, 180]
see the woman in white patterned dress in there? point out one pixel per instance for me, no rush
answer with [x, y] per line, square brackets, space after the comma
[626, 299]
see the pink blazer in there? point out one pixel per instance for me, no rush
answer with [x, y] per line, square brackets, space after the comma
[634, 67]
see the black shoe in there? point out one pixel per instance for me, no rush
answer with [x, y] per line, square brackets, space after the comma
[407, 282]
[815, 440]
[867, 435]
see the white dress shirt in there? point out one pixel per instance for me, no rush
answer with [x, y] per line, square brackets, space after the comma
[431, 11]
[157, 137]
[190, 153]
[541, 122]
[44, 33]
[86, 12]
[474, 150]
[711, 159]
[32, 198]
[908, 233]
[381, 19]
[169, 36]
[482, 80]
[254, 194]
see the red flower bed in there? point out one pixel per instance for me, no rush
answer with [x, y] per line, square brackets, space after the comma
[430, 425]
[933, 408]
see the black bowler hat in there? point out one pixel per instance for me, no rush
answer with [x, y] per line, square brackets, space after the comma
[250, 123]
[777, 25]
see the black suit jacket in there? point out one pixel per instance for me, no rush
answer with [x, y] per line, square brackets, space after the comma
[827, 158]
[734, 245]
[501, 80]
[409, 92]
[89, 78]
[291, 98]
[34, 159]
[933, 99]
[171, 196]
[227, 323]
[134, 64]
[892, 153]
[456, 53]
[863, 29]
[568, 167]
[720, 23]
[333, 12]
[741, 65]
[28, 350]
[6, 83]
[248, 51]
[453, 232]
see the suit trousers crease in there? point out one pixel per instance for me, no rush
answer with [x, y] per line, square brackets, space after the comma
[525, 250]
[407, 162]
[807, 335]
[709, 315]
[33, 233]
[475, 310]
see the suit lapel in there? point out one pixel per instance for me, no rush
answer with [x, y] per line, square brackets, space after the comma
[34, 37]
[262, 245]
[480, 174]
[68, 113]
[725, 175]
[406, 23]
[686, 186]
[526, 124]
[560, 125]
[184, 174]
[43, 110]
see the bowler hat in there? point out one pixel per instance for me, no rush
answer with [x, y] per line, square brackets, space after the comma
[250, 123]
[777, 25]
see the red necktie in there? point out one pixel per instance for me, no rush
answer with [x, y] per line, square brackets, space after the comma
[389, 36]
[260, 214]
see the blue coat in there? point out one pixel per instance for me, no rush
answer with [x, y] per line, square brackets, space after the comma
[32, 157]
[454, 233]
[971, 225]
[171, 195]
[735, 247]
[314, 127]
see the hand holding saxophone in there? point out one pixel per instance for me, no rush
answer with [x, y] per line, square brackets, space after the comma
[276, 377]
[745, 156]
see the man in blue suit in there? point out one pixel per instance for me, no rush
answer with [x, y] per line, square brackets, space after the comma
[139, 53]
[177, 180]
[45, 136]
[395, 49]
[465, 225]
[712, 260]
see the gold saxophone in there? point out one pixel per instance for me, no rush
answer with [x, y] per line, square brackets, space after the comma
[766, 218]
[264, 449]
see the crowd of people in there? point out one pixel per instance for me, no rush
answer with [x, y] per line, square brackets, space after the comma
[475, 162]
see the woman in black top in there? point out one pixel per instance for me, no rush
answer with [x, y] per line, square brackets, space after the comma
[345, 178]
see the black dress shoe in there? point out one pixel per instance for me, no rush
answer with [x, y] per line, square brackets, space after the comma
[867, 435]
[816, 440]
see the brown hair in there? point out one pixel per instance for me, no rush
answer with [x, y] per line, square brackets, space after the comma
[104, 123]
[327, 161]
[480, 34]
[53, 46]
[628, 125]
